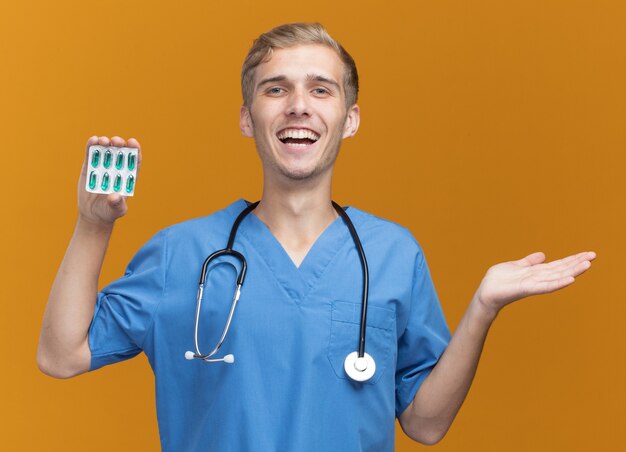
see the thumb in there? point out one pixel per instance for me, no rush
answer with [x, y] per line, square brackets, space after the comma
[533, 259]
[117, 203]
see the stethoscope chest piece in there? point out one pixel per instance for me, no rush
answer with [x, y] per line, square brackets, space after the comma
[359, 369]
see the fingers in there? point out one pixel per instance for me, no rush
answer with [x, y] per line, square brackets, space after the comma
[104, 141]
[552, 279]
[581, 268]
[118, 142]
[586, 255]
[529, 276]
[551, 286]
[133, 143]
[569, 272]
[91, 141]
[113, 141]
[573, 265]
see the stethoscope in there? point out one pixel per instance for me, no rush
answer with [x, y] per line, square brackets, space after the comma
[358, 365]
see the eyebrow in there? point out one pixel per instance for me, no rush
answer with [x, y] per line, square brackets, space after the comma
[309, 78]
[321, 78]
[278, 78]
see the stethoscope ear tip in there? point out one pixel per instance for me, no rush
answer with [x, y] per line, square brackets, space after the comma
[189, 355]
[229, 359]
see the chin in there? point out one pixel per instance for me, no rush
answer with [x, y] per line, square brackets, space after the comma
[298, 175]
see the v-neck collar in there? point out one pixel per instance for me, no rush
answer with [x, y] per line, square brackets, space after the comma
[296, 281]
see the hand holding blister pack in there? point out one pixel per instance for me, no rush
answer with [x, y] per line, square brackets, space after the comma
[112, 170]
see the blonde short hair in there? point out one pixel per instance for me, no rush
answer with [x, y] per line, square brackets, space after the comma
[290, 35]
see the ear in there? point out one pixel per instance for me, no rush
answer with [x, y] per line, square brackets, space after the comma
[245, 122]
[353, 119]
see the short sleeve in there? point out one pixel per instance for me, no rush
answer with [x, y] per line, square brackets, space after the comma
[125, 308]
[424, 339]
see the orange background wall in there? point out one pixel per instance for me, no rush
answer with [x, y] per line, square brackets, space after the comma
[491, 129]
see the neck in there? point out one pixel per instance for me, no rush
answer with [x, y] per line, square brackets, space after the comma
[307, 201]
[297, 214]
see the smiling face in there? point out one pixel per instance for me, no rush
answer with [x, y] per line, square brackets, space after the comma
[297, 114]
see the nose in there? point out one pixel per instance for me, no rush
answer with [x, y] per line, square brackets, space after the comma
[298, 103]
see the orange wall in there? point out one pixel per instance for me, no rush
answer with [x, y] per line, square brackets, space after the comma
[491, 129]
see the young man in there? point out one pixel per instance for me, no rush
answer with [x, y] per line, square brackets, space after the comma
[299, 312]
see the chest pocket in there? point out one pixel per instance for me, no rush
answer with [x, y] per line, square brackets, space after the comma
[344, 337]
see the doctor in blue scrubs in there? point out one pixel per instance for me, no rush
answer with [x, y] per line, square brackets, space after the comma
[299, 311]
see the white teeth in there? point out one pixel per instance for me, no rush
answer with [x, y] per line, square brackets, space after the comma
[298, 134]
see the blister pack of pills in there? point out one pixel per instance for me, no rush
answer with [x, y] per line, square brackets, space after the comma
[112, 170]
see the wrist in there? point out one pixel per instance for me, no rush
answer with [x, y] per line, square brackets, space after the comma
[90, 226]
[483, 311]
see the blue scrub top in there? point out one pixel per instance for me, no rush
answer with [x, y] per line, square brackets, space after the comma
[292, 329]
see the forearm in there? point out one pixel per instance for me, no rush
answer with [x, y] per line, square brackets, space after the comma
[442, 393]
[63, 346]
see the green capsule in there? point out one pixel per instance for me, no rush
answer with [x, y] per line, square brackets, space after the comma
[95, 158]
[106, 161]
[130, 183]
[117, 184]
[105, 182]
[119, 160]
[131, 161]
[92, 180]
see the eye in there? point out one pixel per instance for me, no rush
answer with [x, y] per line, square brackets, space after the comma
[321, 92]
[275, 91]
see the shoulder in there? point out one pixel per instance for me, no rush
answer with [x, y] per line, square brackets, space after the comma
[189, 240]
[383, 232]
[217, 223]
[210, 230]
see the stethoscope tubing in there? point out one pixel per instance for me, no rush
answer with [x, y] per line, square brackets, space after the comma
[365, 270]
[228, 251]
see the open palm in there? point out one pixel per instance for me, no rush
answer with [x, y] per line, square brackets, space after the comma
[510, 281]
